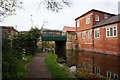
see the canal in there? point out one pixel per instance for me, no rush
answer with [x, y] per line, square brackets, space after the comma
[97, 63]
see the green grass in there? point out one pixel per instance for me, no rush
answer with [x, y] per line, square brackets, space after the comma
[57, 72]
[21, 70]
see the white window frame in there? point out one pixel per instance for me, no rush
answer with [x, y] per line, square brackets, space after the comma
[108, 31]
[88, 20]
[96, 17]
[83, 34]
[90, 34]
[108, 74]
[111, 75]
[98, 32]
[97, 70]
[116, 75]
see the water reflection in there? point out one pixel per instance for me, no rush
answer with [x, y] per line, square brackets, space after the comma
[71, 58]
[103, 64]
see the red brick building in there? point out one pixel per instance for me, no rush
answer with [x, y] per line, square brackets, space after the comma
[98, 31]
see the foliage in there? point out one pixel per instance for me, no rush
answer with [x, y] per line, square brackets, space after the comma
[55, 5]
[9, 60]
[13, 62]
[86, 74]
[55, 69]
[8, 7]
[27, 40]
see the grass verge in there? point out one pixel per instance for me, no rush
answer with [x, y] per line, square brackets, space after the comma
[57, 72]
[21, 70]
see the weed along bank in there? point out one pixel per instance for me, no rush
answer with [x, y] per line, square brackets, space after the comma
[99, 32]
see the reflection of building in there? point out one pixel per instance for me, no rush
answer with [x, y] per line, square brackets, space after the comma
[71, 37]
[8, 31]
[101, 64]
[98, 31]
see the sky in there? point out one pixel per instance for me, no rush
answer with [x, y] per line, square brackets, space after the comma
[55, 20]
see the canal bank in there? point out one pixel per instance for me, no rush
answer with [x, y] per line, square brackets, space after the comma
[58, 71]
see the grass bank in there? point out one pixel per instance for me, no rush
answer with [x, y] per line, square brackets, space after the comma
[57, 71]
[21, 70]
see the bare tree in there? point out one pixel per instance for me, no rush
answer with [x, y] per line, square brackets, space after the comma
[55, 5]
[8, 7]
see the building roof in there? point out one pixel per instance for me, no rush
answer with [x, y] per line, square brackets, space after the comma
[70, 29]
[110, 20]
[9, 27]
[94, 10]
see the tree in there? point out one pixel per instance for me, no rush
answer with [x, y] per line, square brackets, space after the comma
[8, 7]
[27, 40]
[9, 60]
[55, 5]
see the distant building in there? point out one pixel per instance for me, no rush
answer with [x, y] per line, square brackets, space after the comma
[98, 31]
[71, 38]
[8, 31]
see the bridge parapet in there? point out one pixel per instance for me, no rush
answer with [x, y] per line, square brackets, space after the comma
[53, 35]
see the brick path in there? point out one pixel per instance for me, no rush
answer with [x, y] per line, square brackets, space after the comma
[37, 68]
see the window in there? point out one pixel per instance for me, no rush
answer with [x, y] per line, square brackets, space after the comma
[115, 76]
[112, 75]
[96, 18]
[111, 32]
[97, 70]
[78, 24]
[105, 16]
[90, 34]
[97, 33]
[108, 74]
[87, 19]
[84, 35]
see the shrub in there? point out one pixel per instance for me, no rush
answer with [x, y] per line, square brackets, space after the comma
[9, 60]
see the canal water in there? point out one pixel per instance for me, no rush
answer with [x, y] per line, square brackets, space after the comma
[98, 63]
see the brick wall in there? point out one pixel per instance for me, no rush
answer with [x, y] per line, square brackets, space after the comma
[102, 44]
[119, 38]
[106, 45]
[82, 22]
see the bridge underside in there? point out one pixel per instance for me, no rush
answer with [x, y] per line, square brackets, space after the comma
[60, 43]
[60, 48]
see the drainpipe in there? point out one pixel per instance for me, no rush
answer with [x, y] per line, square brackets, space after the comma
[93, 49]
[76, 35]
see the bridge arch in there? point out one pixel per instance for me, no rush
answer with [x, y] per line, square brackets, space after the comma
[55, 35]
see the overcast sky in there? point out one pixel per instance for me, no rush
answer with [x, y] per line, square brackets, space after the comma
[56, 20]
